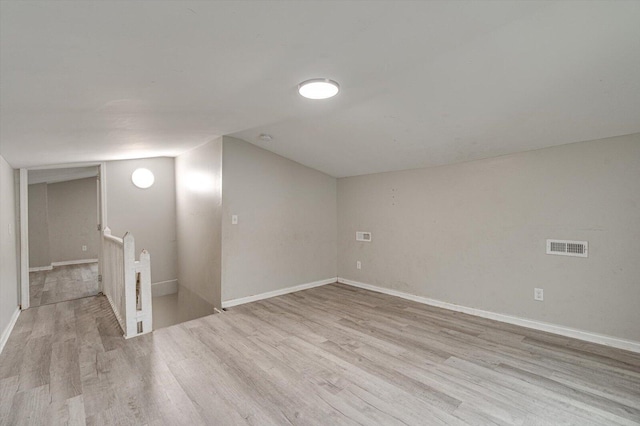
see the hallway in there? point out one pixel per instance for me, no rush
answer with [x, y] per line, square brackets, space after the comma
[63, 283]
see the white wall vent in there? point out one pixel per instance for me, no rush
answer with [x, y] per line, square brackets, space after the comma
[568, 248]
[363, 236]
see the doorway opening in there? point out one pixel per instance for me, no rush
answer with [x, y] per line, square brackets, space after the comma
[60, 234]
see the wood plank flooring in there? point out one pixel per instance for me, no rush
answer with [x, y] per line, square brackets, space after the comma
[63, 283]
[324, 356]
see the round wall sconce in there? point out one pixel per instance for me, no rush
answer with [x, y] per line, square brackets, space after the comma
[142, 178]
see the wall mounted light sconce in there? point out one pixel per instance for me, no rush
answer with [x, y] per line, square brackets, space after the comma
[142, 178]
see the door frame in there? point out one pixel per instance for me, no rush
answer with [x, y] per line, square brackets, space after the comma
[24, 220]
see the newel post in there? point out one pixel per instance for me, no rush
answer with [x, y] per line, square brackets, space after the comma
[145, 289]
[130, 283]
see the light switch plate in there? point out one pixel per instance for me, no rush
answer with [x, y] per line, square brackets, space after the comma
[234, 219]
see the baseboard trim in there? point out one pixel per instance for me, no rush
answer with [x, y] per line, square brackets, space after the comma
[586, 336]
[41, 268]
[163, 288]
[269, 294]
[74, 262]
[8, 329]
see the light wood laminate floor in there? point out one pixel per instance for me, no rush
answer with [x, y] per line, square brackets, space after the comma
[328, 355]
[63, 283]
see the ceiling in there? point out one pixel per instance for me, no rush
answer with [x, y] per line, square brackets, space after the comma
[423, 83]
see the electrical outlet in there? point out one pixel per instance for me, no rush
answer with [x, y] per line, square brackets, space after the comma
[84, 248]
[538, 294]
[358, 264]
[234, 219]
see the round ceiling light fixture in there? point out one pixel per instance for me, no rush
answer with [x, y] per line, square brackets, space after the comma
[142, 178]
[318, 88]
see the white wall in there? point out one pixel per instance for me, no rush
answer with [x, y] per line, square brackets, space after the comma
[286, 231]
[63, 217]
[72, 208]
[39, 254]
[199, 220]
[474, 234]
[8, 247]
[149, 214]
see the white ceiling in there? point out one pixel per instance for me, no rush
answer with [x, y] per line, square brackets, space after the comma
[423, 83]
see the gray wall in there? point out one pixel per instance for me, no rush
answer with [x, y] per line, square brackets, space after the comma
[73, 217]
[39, 254]
[63, 218]
[286, 231]
[474, 233]
[8, 246]
[149, 214]
[199, 220]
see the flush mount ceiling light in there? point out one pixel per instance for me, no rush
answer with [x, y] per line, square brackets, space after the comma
[318, 88]
[265, 137]
[142, 178]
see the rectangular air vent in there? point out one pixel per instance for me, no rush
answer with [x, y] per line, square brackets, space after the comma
[363, 236]
[568, 248]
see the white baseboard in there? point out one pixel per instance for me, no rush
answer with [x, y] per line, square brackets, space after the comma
[602, 339]
[41, 268]
[8, 329]
[267, 295]
[162, 288]
[74, 262]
